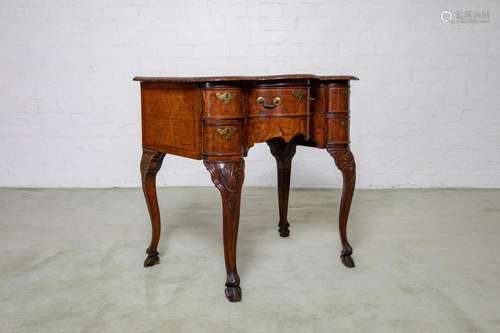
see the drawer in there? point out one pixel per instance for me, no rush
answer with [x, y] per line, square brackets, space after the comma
[222, 103]
[222, 140]
[338, 98]
[338, 130]
[286, 101]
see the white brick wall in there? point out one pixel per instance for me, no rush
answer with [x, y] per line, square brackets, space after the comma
[426, 112]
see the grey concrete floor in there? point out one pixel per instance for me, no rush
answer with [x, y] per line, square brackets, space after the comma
[427, 261]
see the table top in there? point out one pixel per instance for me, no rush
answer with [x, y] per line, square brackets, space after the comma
[247, 78]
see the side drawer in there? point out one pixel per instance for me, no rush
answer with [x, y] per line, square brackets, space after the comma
[338, 130]
[338, 98]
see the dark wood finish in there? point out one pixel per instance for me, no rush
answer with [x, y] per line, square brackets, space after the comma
[338, 147]
[228, 178]
[218, 119]
[150, 165]
[281, 77]
[345, 162]
[283, 152]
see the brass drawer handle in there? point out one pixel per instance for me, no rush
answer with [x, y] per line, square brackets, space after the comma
[276, 102]
[226, 132]
[225, 96]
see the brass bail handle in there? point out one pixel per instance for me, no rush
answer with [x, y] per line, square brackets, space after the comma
[276, 102]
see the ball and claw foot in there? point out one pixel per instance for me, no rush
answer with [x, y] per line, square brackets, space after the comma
[346, 258]
[283, 229]
[152, 258]
[233, 294]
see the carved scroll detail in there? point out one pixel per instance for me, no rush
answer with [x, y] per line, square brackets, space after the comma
[228, 178]
[345, 162]
[151, 162]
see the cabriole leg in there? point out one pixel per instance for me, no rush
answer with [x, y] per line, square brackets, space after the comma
[283, 153]
[150, 165]
[345, 162]
[228, 178]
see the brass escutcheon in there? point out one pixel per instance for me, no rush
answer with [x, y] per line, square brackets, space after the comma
[225, 96]
[298, 94]
[226, 132]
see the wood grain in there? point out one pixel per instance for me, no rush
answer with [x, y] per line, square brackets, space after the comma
[344, 160]
[151, 162]
[171, 119]
[290, 106]
[228, 178]
[218, 119]
[216, 108]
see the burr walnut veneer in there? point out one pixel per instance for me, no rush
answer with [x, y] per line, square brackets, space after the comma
[218, 119]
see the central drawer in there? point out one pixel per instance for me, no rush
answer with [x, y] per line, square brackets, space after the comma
[277, 102]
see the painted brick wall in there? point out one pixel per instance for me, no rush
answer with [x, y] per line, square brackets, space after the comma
[426, 112]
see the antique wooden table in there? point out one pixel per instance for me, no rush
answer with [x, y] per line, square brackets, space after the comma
[217, 119]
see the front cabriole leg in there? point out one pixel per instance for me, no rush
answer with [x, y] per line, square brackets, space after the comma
[150, 165]
[346, 164]
[228, 178]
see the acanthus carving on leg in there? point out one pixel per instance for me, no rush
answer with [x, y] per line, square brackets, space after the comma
[150, 165]
[344, 160]
[228, 178]
[283, 153]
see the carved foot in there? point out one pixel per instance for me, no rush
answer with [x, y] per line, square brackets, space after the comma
[284, 229]
[233, 294]
[152, 258]
[346, 258]
[233, 290]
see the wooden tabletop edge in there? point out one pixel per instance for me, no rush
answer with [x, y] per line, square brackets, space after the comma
[246, 78]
